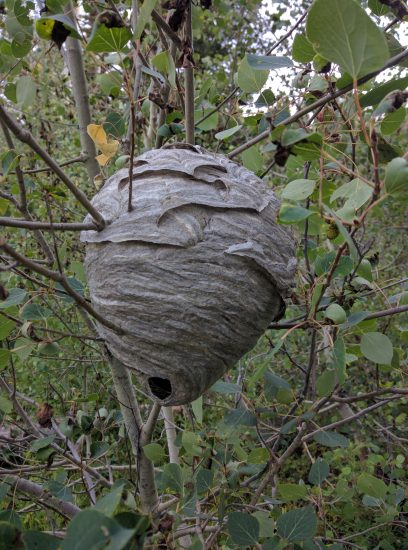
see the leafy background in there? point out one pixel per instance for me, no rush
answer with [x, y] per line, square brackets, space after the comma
[303, 444]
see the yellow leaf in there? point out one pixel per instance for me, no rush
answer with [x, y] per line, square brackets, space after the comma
[97, 134]
[109, 149]
[102, 159]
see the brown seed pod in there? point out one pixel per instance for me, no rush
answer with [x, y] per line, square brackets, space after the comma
[332, 231]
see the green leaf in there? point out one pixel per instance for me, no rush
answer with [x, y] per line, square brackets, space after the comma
[165, 64]
[258, 456]
[243, 528]
[318, 472]
[240, 417]
[252, 159]
[39, 444]
[341, 31]
[266, 524]
[35, 540]
[339, 359]
[302, 49]
[5, 355]
[204, 480]
[197, 408]
[15, 297]
[356, 192]
[34, 312]
[6, 405]
[374, 96]
[249, 79]
[172, 478]
[293, 214]
[336, 313]
[268, 62]
[225, 387]
[110, 83]
[372, 486]
[265, 99]
[297, 525]
[191, 443]
[326, 383]
[91, 529]
[298, 190]
[109, 503]
[104, 39]
[229, 132]
[209, 123]
[114, 125]
[26, 91]
[331, 439]
[6, 327]
[396, 176]
[9, 160]
[378, 8]
[377, 347]
[392, 121]
[23, 348]
[292, 491]
[144, 15]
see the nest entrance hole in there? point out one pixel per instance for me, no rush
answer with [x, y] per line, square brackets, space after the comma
[160, 387]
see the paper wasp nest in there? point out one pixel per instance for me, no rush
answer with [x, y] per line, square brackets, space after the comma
[193, 274]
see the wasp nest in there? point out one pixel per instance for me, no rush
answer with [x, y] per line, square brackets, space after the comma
[193, 274]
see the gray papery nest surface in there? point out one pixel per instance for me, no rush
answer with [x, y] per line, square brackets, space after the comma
[193, 274]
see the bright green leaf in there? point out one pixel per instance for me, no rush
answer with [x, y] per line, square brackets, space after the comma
[292, 491]
[298, 190]
[229, 132]
[293, 214]
[26, 91]
[144, 15]
[104, 39]
[302, 49]
[249, 79]
[336, 314]
[396, 175]
[372, 486]
[377, 347]
[341, 31]
[326, 383]
[268, 62]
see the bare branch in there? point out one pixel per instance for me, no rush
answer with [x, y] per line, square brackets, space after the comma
[56, 226]
[26, 137]
[316, 104]
[59, 278]
[42, 496]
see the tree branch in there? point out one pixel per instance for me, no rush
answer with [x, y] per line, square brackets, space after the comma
[61, 507]
[189, 80]
[74, 60]
[59, 278]
[26, 137]
[55, 226]
[320, 102]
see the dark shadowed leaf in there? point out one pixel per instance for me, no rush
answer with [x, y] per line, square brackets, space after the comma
[243, 528]
[318, 472]
[331, 439]
[297, 525]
